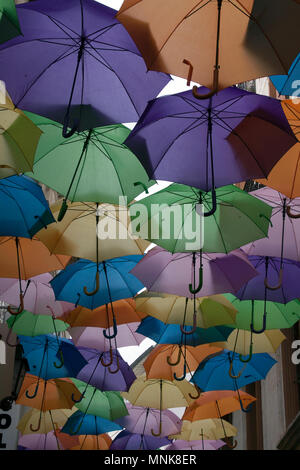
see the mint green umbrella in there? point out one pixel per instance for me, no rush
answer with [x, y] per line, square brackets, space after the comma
[30, 324]
[9, 23]
[172, 219]
[90, 166]
[108, 405]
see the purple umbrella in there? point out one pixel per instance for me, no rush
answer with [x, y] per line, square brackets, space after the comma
[141, 420]
[269, 268]
[195, 445]
[214, 142]
[39, 296]
[47, 441]
[162, 271]
[117, 377]
[76, 64]
[128, 441]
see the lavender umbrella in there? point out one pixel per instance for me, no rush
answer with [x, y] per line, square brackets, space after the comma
[47, 441]
[141, 420]
[128, 441]
[195, 445]
[76, 64]
[117, 377]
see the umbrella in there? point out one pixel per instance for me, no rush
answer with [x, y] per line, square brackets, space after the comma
[90, 442]
[51, 357]
[29, 324]
[85, 156]
[118, 376]
[109, 405]
[223, 139]
[9, 23]
[165, 360]
[104, 228]
[238, 218]
[19, 138]
[222, 42]
[206, 429]
[23, 207]
[287, 84]
[80, 423]
[76, 284]
[284, 176]
[211, 311]
[23, 258]
[49, 422]
[196, 445]
[86, 72]
[49, 441]
[246, 344]
[211, 374]
[128, 441]
[217, 404]
[141, 420]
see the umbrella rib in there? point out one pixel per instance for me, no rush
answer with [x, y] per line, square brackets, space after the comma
[61, 26]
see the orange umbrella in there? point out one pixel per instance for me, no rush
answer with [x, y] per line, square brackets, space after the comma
[158, 364]
[285, 175]
[90, 442]
[216, 404]
[23, 258]
[102, 317]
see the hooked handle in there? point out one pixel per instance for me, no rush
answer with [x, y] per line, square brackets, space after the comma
[263, 327]
[34, 393]
[195, 291]
[279, 282]
[183, 376]
[159, 432]
[59, 366]
[63, 210]
[65, 133]
[231, 374]
[111, 359]
[198, 393]
[214, 88]
[96, 288]
[190, 332]
[289, 213]
[214, 204]
[38, 425]
[248, 359]
[177, 360]
[19, 310]
[118, 367]
[115, 331]
[231, 446]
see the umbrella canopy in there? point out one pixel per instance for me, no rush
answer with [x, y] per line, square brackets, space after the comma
[117, 377]
[141, 420]
[285, 84]
[212, 374]
[49, 441]
[216, 404]
[128, 441]
[158, 363]
[253, 38]
[9, 23]
[90, 442]
[18, 140]
[223, 139]
[238, 217]
[49, 421]
[196, 445]
[206, 429]
[285, 176]
[115, 281]
[211, 311]
[242, 342]
[109, 405]
[23, 207]
[91, 337]
[86, 68]
[85, 424]
[85, 156]
[29, 324]
[160, 271]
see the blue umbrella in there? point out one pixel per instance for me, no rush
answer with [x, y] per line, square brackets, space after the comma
[225, 371]
[23, 207]
[288, 84]
[114, 281]
[80, 423]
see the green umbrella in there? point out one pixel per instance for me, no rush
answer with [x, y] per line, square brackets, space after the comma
[172, 218]
[108, 405]
[90, 166]
[9, 23]
[30, 324]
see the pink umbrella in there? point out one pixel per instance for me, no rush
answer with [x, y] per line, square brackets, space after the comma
[50, 441]
[195, 445]
[38, 295]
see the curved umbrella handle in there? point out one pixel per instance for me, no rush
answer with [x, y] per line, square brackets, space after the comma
[19, 310]
[248, 359]
[77, 401]
[96, 288]
[198, 393]
[230, 372]
[38, 425]
[279, 282]
[117, 369]
[192, 330]
[159, 432]
[65, 133]
[34, 393]
[246, 410]
[8, 343]
[63, 210]
[183, 376]
[267, 218]
[139, 183]
[195, 291]
[232, 446]
[214, 204]
[214, 89]
[59, 366]
[258, 332]
[111, 359]
[292, 216]
[115, 331]
[177, 360]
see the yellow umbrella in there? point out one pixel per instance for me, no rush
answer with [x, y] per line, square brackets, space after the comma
[19, 138]
[50, 420]
[240, 341]
[210, 311]
[208, 429]
[160, 394]
[76, 234]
